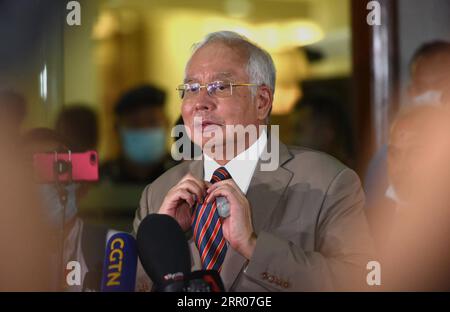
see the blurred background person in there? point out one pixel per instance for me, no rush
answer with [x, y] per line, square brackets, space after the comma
[26, 244]
[321, 124]
[407, 137]
[78, 124]
[417, 233]
[429, 85]
[13, 110]
[81, 241]
[142, 128]
[430, 74]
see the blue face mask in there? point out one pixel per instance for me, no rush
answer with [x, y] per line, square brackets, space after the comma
[144, 146]
[52, 205]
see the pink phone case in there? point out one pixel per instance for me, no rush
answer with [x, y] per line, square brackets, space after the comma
[84, 166]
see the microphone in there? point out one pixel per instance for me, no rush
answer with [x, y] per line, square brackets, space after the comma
[165, 257]
[164, 252]
[204, 281]
[120, 264]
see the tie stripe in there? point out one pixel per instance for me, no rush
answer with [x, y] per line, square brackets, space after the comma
[198, 212]
[219, 249]
[210, 241]
[206, 225]
[207, 229]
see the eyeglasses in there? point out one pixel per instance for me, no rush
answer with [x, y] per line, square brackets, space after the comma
[218, 89]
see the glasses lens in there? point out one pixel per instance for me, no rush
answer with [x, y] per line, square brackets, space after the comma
[193, 87]
[188, 89]
[220, 88]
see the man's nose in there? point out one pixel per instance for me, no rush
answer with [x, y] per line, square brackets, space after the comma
[204, 101]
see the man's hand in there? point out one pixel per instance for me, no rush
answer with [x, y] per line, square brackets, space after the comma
[182, 197]
[237, 228]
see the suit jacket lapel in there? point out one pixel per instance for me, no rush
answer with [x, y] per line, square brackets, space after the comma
[266, 189]
[196, 168]
[264, 193]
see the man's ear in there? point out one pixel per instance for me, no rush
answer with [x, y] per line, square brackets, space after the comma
[264, 99]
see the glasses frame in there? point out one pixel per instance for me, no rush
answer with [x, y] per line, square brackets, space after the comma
[210, 87]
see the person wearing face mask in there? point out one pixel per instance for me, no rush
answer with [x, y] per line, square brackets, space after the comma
[141, 127]
[79, 240]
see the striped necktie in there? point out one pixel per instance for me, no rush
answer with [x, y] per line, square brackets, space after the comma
[207, 229]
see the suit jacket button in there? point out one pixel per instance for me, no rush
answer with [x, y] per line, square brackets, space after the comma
[270, 279]
[286, 285]
[264, 275]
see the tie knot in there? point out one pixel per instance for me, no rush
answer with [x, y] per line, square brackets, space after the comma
[220, 174]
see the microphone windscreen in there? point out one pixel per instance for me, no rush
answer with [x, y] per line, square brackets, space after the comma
[120, 265]
[162, 247]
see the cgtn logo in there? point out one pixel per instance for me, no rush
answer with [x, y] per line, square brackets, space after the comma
[119, 267]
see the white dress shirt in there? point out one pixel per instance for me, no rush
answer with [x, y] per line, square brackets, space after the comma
[241, 167]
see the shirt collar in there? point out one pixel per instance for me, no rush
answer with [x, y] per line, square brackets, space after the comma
[241, 167]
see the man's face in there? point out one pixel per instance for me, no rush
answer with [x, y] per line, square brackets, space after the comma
[218, 62]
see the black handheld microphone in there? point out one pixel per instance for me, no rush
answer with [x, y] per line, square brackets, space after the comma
[164, 253]
[204, 281]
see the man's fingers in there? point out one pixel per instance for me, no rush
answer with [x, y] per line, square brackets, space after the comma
[186, 196]
[230, 183]
[223, 191]
[190, 177]
[193, 188]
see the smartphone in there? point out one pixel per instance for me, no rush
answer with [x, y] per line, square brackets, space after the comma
[66, 167]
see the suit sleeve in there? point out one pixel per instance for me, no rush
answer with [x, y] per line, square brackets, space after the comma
[143, 282]
[342, 250]
[144, 208]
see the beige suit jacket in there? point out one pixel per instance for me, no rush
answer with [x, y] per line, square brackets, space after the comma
[309, 219]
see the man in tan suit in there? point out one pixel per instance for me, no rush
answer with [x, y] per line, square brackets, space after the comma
[298, 226]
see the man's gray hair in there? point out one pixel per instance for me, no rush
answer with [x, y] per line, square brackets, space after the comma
[260, 66]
